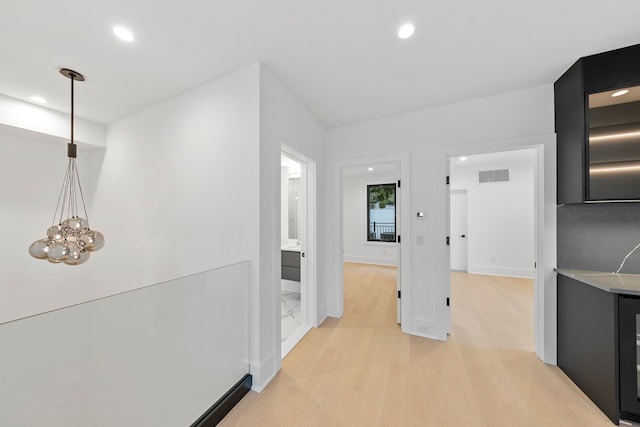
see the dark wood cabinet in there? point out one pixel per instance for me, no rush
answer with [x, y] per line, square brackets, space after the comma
[587, 342]
[592, 74]
[290, 265]
[571, 135]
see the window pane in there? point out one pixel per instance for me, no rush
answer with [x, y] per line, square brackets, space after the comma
[381, 205]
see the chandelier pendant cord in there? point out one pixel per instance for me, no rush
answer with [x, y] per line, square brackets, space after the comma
[72, 178]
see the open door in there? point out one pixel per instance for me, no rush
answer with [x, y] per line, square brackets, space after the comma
[398, 269]
[447, 311]
[298, 299]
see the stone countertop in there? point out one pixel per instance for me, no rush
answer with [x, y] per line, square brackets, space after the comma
[628, 284]
[290, 248]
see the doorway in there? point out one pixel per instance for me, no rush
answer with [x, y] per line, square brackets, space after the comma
[371, 199]
[336, 294]
[297, 248]
[492, 228]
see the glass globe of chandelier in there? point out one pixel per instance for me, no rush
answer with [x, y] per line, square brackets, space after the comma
[69, 240]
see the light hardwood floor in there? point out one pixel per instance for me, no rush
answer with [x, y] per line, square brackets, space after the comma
[360, 370]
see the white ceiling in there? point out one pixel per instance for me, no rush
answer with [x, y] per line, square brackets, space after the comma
[376, 169]
[341, 58]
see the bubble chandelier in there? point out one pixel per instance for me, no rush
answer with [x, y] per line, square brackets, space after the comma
[70, 240]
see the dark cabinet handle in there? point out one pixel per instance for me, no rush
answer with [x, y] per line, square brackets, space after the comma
[302, 254]
[463, 236]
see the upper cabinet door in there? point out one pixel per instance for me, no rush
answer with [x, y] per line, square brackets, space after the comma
[598, 134]
[570, 132]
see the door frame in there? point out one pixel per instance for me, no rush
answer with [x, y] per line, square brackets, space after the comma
[335, 257]
[308, 241]
[545, 301]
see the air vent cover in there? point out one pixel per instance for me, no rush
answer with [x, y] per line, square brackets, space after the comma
[494, 175]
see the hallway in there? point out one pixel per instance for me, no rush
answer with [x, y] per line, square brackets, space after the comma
[360, 370]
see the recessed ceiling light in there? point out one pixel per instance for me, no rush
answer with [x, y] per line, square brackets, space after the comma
[406, 31]
[369, 169]
[123, 34]
[38, 99]
[462, 159]
[620, 92]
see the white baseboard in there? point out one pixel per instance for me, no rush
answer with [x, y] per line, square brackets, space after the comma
[370, 260]
[323, 318]
[263, 374]
[525, 273]
[424, 328]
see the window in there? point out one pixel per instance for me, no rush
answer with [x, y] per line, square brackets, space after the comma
[381, 213]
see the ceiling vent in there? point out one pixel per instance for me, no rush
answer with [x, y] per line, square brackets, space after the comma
[493, 176]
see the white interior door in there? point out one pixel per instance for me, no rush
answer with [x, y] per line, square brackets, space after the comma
[306, 239]
[459, 235]
[398, 233]
[302, 236]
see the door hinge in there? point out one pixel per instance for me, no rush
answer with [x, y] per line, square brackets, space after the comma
[399, 294]
[448, 302]
[447, 240]
[398, 183]
[398, 238]
[447, 180]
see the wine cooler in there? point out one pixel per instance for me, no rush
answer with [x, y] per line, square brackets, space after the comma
[629, 327]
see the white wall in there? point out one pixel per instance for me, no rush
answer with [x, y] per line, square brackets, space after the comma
[165, 201]
[283, 120]
[356, 247]
[36, 121]
[500, 216]
[179, 190]
[33, 161]
[32, 168]
[518, 118]
[163, 198]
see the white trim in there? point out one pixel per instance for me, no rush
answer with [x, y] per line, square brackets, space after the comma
[256, 373]
[322, 319]
[492, 270]
[335, 255]
[309, 244]
[370, 260]
[376, 243]
[545, 319]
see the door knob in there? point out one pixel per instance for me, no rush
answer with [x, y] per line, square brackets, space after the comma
[463, 236]
[302, 254]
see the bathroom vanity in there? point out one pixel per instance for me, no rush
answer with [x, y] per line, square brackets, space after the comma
[290, 264]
